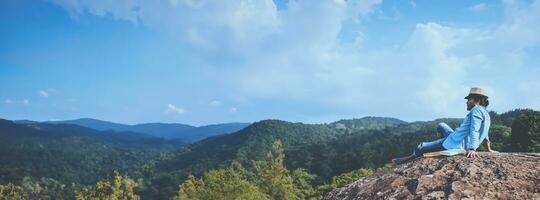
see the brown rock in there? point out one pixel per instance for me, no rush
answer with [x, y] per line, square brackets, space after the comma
[492, 176]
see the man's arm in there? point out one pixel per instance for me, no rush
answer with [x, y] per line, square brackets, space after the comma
[488, 147]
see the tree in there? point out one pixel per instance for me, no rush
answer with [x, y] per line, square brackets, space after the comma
[12, 192]
[526, 132]
[499, 136]
[272, 176]
[118, 188]
[303, 181]
[349, 177]
[219, 184]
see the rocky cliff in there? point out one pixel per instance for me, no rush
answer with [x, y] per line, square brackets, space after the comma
[491, 176]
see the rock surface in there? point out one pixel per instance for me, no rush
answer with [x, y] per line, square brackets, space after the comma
[491, 176]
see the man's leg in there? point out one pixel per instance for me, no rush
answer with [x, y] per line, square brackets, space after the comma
[444, 130]
[426, 147]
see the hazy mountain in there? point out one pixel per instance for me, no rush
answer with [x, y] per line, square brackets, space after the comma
[163, 130]
[202, 132]
[94, 124]
[71, 153]
[367, 123]
[74, 153]
[250, 143]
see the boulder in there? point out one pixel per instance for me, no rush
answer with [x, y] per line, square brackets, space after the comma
[490, 176]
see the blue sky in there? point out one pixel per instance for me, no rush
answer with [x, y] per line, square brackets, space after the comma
[203, 62]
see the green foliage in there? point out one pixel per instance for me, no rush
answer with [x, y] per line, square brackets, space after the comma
[269, 180]
[366, 123]
[66, 156]
[349, 177]
[303, 182]
[219, 184]
[499, 136]
[343, 179]
[526, 132]
[272, 176]
[12, 192]
[323, 156]
[117, 188]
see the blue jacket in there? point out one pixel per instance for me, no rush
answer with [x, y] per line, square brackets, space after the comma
[473, 130]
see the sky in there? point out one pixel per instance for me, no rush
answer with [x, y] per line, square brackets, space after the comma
[204, 62]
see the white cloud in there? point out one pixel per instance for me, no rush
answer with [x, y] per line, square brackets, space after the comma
[295, 55]
[478, 7]
[215, 103]
[25, 102]
[413, 4]
[233, 109]
[171, 108]
[43, 93]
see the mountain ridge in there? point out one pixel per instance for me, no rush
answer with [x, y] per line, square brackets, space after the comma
[156, 129]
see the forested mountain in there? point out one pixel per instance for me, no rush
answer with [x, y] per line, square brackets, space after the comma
[162, 130]
[72, 153]
[253, 143]
[367, 123]
[319, 156]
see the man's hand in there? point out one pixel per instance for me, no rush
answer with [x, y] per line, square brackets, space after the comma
[471, 154]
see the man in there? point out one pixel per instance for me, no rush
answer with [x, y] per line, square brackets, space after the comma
[472, 131]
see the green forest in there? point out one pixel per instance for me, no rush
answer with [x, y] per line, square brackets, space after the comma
[270, 159]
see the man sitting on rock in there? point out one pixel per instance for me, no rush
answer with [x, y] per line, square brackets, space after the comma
[473, 130]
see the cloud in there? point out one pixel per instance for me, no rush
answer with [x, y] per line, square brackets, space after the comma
[215, 103]
[296, 55]
[24, 101]
[243, 26]
[413, 4]
[478, 7]
[233, 109]
[43, 93]
[171, 108]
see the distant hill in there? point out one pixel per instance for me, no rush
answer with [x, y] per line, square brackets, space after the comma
[251, 143]
[367, 123]
[71, 153]
[94, 124]
[325, 150]
[74, 153]
[163, 130]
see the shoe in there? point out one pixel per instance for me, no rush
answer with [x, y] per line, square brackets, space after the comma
[397, 161]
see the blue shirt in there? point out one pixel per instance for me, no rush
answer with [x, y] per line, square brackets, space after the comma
[472, 131]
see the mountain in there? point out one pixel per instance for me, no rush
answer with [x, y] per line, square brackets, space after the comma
[163, 130]
[325, 150]
[250, 143]
[367, 123]
[71, 153]
[124, 139]
[202, 132]
[491, 176]
[94, 124]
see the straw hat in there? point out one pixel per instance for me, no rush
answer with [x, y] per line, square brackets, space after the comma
[476, 91]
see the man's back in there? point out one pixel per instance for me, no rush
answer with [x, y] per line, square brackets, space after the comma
[473, 130]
